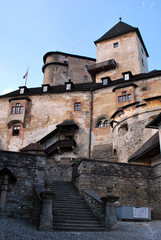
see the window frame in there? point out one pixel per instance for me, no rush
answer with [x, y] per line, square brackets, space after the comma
[68, 86]
[77, 106]
[16, 130]
[102, 123]
[115, 44]
[124, 97]
[17, 109]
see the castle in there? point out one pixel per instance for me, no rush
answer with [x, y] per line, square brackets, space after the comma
[95, 112]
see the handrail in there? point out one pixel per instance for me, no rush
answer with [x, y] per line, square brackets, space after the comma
[93, 195]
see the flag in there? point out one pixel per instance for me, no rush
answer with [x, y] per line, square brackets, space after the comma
[25, 75]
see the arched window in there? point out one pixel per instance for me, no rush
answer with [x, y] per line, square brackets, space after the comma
[102, 123]
[105, 123]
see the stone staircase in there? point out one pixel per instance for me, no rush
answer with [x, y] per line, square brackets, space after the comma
[70, 211]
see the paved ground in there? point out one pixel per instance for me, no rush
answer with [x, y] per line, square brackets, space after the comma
[16, 229]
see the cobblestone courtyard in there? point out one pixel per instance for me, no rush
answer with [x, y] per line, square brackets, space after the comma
[16, 229]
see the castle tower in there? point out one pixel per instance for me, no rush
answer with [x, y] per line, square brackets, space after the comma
[59, 67]
[120, 50]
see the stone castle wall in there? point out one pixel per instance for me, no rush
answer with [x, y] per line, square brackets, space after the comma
[29, 171]
[136, 185]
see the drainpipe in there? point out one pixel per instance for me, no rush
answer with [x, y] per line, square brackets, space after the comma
[91, 121]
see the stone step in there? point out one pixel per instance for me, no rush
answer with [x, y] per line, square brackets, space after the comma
[75, 221]
[81, 224]
[73, 206]
[74, 218]
[70, 211]
[79, 228]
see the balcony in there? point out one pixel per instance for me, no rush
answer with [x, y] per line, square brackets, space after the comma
[65, 145]
[102, 66]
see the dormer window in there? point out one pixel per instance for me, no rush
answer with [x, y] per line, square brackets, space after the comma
[22, 90]
[106, 80]
[127, 75]
[68, 85]
[45, 88]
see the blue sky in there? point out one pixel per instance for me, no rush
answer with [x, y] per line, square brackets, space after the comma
[30, 28]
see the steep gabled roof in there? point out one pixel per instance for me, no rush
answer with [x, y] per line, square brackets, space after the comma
[119, 29]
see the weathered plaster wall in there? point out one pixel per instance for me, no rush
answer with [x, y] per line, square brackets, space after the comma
[45, 112]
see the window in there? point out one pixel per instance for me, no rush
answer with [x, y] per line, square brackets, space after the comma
[105, 81]
[45, 88]
[105, 123]
[16, 130]
[68, 86]
[129, 97]
[120, 98]
[13, 110]
[65, 61]
[116, 44]
[77, 106]
[85, 77]
[17, 109]
[124, 97]
[22, 90]
[102, 123]
[126, 76]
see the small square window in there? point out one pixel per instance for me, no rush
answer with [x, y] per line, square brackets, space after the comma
[22, 90]
[116, 44]
[77, 106]
[126, 76]
[120, 98]
[85, 77]
[45, 88]
[16, 130]
[68, 86]
[105, 81]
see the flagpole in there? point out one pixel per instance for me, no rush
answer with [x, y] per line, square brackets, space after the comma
[26, 76]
